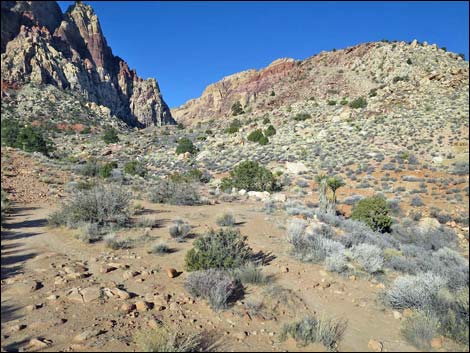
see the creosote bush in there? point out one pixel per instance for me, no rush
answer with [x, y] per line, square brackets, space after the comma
[110, 135]
[179, 230]
[135, 168]
[419, 329]
[249, 175]
[225, 248]
[174, 193]
[26, 138]
[374, 211]
[185, 145]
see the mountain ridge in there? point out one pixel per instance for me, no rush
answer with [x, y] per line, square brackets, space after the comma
[40, 44]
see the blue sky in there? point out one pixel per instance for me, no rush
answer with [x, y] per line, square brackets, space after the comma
[188, 45]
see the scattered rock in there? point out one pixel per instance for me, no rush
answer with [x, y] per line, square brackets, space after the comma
[171, 272]
[375, 346]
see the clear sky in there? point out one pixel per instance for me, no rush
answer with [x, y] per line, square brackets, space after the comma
[188, 45]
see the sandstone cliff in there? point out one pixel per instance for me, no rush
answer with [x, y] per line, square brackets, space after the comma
[382, 70]
[41, 45]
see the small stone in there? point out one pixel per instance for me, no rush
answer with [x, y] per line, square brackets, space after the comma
[171, 272]
[107, 268]
[127, 308]
[375, 345]
[397, 315]
[129, 274]
[142, 305]
[284, 269]
[52, 297]
[240, 335]
[407, 313]
[39, 343]
[174, 306]
[86, 335]
[16, 328]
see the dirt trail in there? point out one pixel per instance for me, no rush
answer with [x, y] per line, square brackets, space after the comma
[33, 252]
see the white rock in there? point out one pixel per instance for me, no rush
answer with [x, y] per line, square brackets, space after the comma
[258, 195]
[296, 167]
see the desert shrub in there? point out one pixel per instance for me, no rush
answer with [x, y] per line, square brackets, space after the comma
[226, 220]
[310, 329]
[336, 262]
[26, 138]
[360, 102]
[249, 175]
[416, 201]
[295, 207]
[452, 266]
[162, 339]
[110, 135]
[192, 175]
[106, 169]
[414, 292]
[161, 249]
[234, 127]
[295, 230]
[185, 145]
[216, 286]
[419, 329]
[263, 141]
[302, 116]
[179, 230]
[460, 168]
[270, 131]
[114, 243]
[331, 102]
[255, 136]
[91, 168]
[313, 246]
[452, 309]
[135, 168]
[431, 238]
[250, 273]
[374, 211]
[369, 257]
[400, 78]
[90, 232]
[223, 249]
[104, 205]
[166, 191]
[237, 108]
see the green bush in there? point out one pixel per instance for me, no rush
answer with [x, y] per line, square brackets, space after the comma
[270, 131]
[221, 249]
[266, 121]
[110, 136]
[234, 127]
[409, 62]
[193, 175]
[255, 136]
[302, 116]
[185, 145]
[249, 175]
[263, 141]
[374, 211]
[135, 168]
[237, 109]
[400, 78]
[358, 103]
[26, 138]
[332, 102]
[105, 170]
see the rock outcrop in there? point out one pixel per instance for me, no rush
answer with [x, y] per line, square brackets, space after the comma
[383, 70]
[41, 45]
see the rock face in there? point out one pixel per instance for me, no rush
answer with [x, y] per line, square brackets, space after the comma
[41, 45]
[379, 70]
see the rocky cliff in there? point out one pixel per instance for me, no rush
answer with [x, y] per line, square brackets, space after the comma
[41, 45]
[382, 72]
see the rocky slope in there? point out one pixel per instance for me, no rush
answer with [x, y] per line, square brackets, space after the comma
[43, 46]
[382, 70]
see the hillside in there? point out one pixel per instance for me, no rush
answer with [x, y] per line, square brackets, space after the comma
[392, 76]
